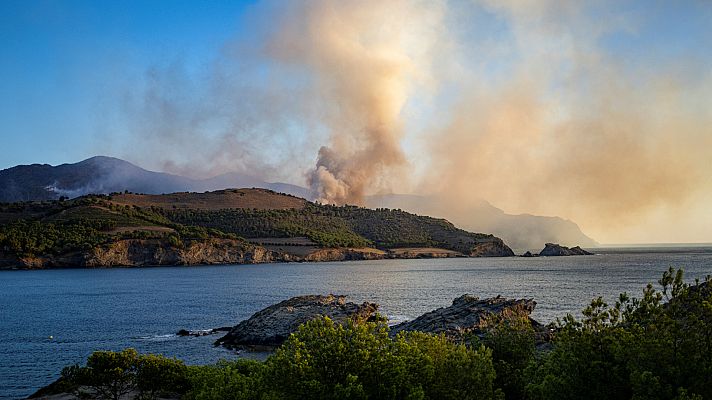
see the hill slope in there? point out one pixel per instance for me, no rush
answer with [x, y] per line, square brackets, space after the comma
[227, 226]
[103, 175]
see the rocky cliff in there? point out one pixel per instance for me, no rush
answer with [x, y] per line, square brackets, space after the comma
[149, 252]
[491, 248]
[271, 327]
[157, 252]
[344, 254]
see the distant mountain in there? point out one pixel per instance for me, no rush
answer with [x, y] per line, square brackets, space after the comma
[103, 175]
[521, 232]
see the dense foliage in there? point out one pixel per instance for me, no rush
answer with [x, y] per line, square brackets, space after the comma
[59, 227]
[334, 226]
[325, 230]
[655, 347]
[112, 375]
[323, 360]
[34, 238]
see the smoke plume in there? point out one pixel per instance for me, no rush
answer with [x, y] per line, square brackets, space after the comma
[526, 104]
[365, 59]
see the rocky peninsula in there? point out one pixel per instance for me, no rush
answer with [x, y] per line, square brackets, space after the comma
[235, 226]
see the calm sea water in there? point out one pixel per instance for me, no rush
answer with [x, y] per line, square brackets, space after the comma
[111, 309]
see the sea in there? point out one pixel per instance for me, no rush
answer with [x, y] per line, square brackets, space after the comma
[53, 318]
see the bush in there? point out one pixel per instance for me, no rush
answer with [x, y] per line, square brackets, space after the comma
[325, 360]
[236, 380]
[111, 375]
[512, 341]
[157, 375]
[656, 347]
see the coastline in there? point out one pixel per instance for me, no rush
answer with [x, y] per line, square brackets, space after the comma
[132, 253]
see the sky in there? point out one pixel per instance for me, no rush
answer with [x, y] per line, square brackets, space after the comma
[599, 112]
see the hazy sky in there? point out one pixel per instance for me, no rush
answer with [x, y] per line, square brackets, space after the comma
[600, 111]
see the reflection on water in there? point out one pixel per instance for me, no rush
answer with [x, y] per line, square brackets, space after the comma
[111, 309]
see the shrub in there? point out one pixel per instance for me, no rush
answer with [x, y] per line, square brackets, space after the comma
[656, 347]
[236, 380]
[157, 375]
[111, 375]
[512, 341]
[325, 360]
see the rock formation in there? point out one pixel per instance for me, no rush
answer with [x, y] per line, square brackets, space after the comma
[495, 247]
[273, 325]
[150, 252]
[155, 252]
[554, 249]
[468, 315]
[203, 332]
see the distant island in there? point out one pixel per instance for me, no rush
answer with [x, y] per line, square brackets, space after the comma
[221, 227]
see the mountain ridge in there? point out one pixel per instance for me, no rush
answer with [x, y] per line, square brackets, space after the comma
[104, 174]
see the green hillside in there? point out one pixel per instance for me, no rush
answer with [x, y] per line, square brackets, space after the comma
[57, 227]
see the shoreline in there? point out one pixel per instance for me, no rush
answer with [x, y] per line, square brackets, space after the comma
[145, 255]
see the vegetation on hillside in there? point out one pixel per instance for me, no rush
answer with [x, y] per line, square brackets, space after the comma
[655, 347]
[334, 226]
[325, 230]
[58, 227]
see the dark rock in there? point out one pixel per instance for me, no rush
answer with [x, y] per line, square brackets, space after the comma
[492, 247]
[529, 254]
[204, 332]
[554, 249]
[273, 325]
[468, 315]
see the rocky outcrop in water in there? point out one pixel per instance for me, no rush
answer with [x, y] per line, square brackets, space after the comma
[203, 332]
[273, 325]
[495, 247]
[554, 249]
[468, 315]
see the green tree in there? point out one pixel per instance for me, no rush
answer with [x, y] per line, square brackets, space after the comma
[110, 375]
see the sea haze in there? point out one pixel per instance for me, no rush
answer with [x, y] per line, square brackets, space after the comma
[111, 309]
